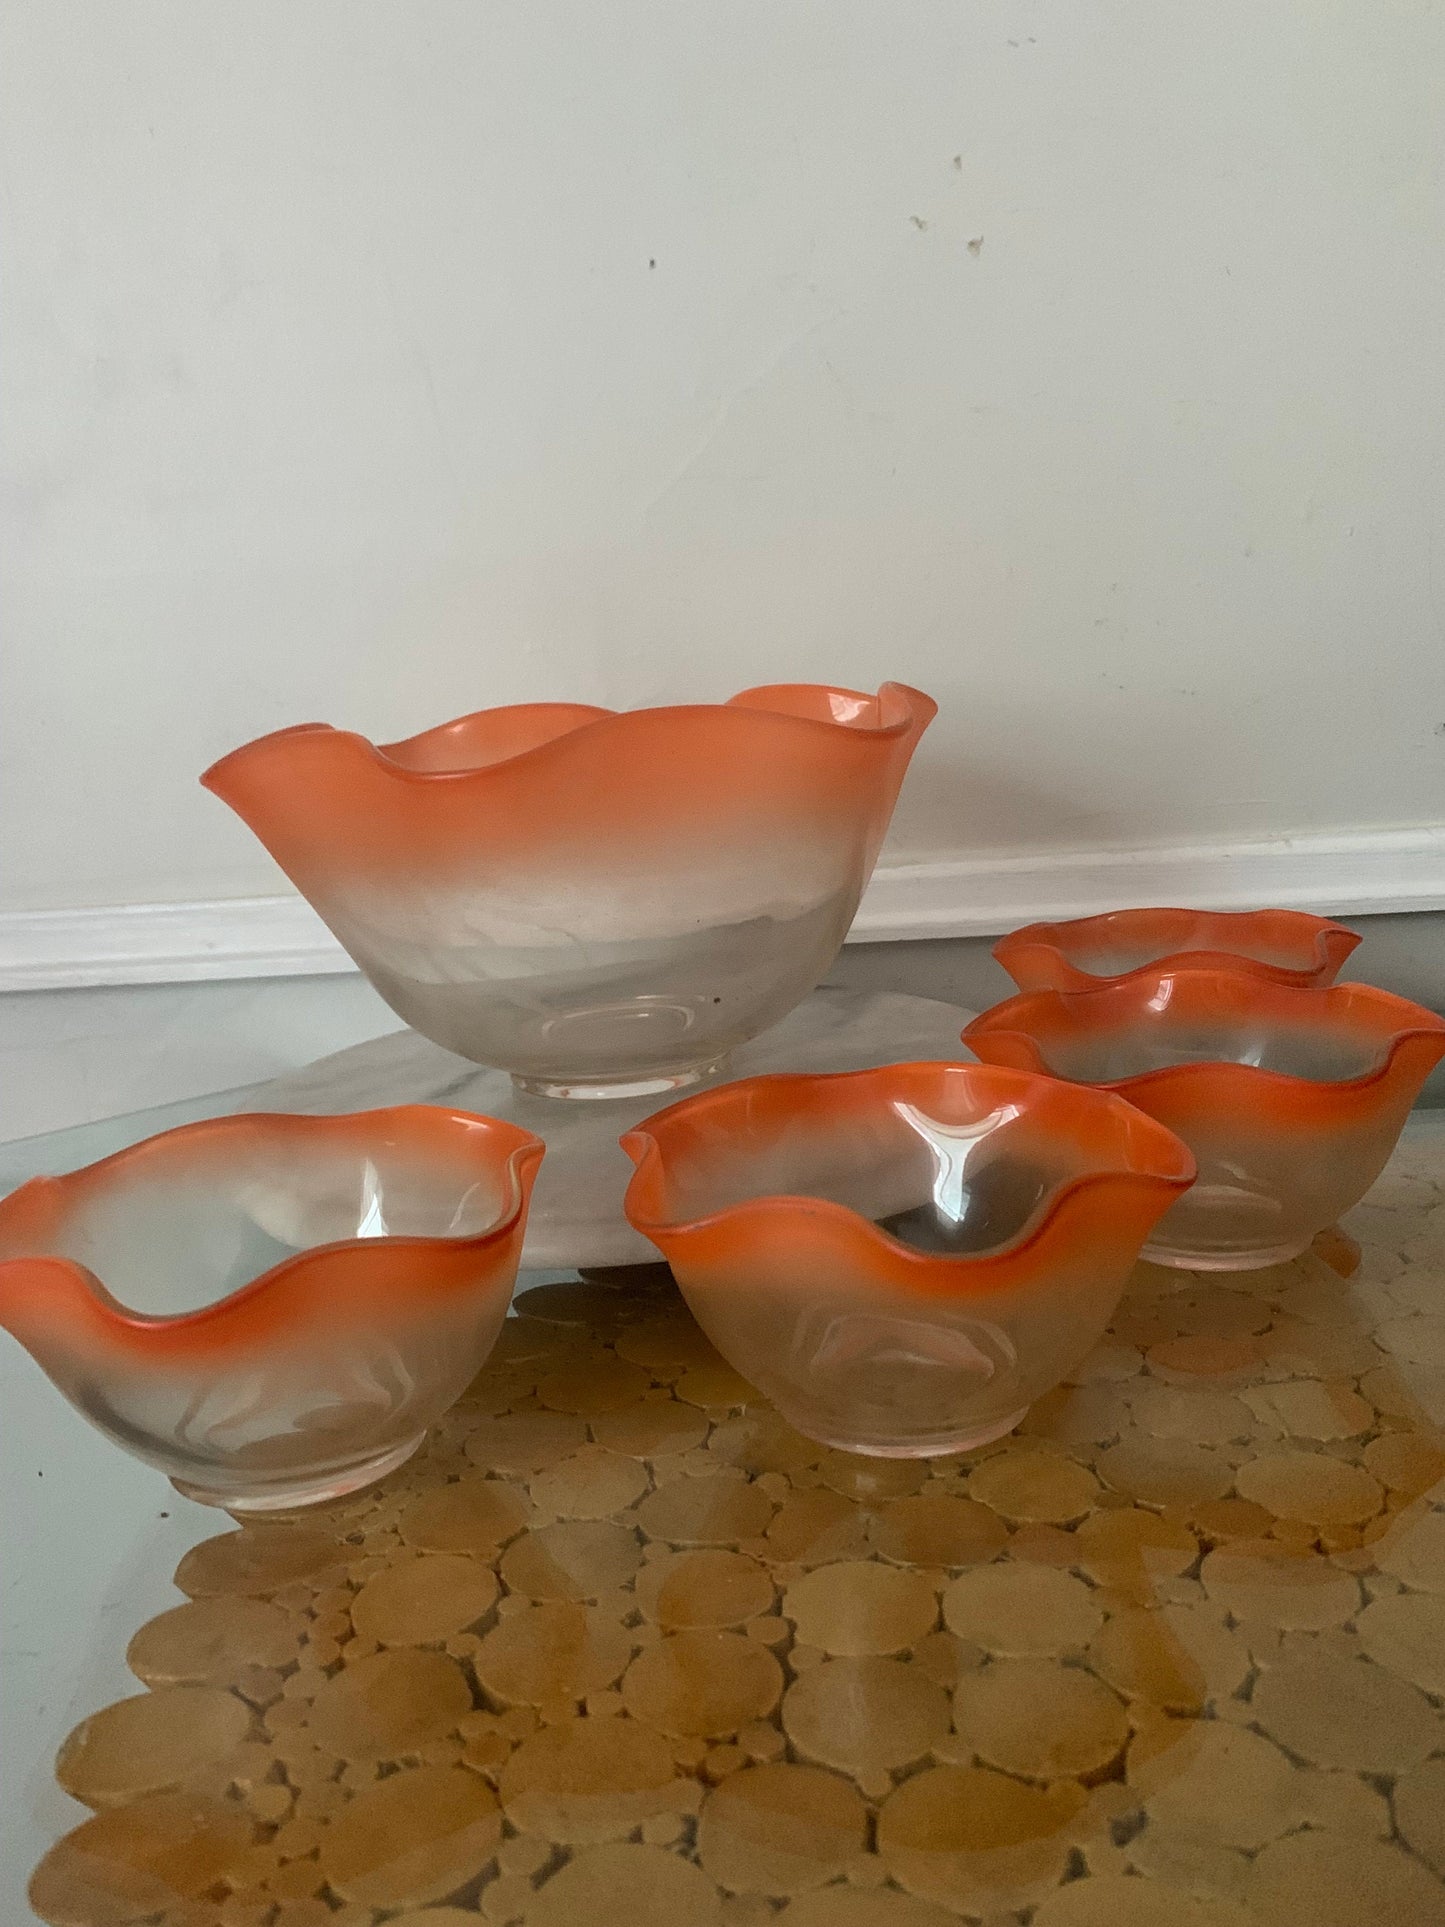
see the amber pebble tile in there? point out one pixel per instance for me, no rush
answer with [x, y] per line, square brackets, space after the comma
[586, 1780]
[780, 1828]
[1310, 1487]
[839, 1906]
[1017, 1610]
[716, 1386]
[668, 1342]
[817, 1526]
[1413, 1550]
[711, 1588]
[1419, 1804]
[758, 1441]
[653, 1428]
[467, 1515]
[385, 1706]
[591, 1483]
[1265, 1580]
[156, 1741]
[592, 1387]
[1182, 1412]
[1349, 1882]
[1343, 1712]
[1201, 1355]
[641, 1885]
[715, 1510]
[213, 1641]
[550, 1653]
[1130, 1548]
[1216, 1783]
[573, 1559]
[1166, 1472]
[1117, 1901]
[260, 1561]
[937, 1529]
[859, 1606]
[1029, 1488]
[136, 1859]
[865, 1716]
[523, 1442]
[423, 1601]
[1039, 1719]
[1405, 1634]
[1406, 1462]
[702, 1685]
[977, 1840]
[414, 1837]
[1044, 1545]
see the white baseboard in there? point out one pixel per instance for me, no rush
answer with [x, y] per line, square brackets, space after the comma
[1364, 872]
[1355, 873]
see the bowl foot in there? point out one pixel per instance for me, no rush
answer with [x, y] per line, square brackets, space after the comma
[571, 1090]
[937, 1445]
[292, 1495]
[1178, 1260]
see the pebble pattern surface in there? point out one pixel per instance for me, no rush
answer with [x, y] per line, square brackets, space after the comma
[619, 1644]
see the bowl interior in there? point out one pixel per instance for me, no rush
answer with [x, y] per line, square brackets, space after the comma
[1117, 953]
[1158, 1040]
[1127, 940]
[940, 1174]
[189, 1224]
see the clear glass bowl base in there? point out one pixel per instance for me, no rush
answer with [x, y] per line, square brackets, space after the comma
[935, 1445]
[294, 1494]
[1180, 1260]
[617, 1090]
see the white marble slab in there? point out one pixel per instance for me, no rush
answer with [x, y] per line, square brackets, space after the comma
[576, 1216]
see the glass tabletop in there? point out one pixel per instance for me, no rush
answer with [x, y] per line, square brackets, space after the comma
[50, 1152]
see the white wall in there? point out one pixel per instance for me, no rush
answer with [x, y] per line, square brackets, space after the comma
[374, 362]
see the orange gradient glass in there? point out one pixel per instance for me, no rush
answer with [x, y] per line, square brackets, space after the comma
[272, 1309]
[902, 1259]
[602, 903]
[1281, 946]
[1291, 1099]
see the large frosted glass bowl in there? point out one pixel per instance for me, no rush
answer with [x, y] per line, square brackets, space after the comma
[602, 903]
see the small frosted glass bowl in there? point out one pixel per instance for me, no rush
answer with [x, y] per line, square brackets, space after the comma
[1280, 946]
[296, 1299]
[1290, 1099]
[902, 1259]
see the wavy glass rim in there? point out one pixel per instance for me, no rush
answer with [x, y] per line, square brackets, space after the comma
[1422, 1023]
[647, 1155]
[518, 1164]
[918, 709]
[1325, 935]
